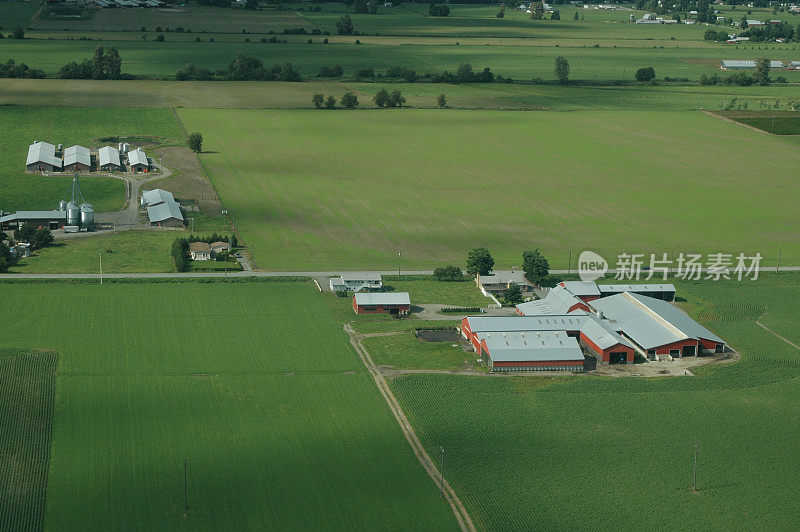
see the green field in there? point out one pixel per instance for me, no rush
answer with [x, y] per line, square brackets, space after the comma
[616, 453]
[313, 190]
[280, 430]
[68, 126]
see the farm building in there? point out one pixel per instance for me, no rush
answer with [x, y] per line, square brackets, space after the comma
[108, 159]
[77, 159]
[657, 291]
[200, 251]
[381, 302]
[137, 161]
[48, 219]
[498, 282]
[655, 327]
[220, 247]
[735, 65]
[605, 342]
[584, 290]
[42, 158]
[474, 326]
[156, 197]
[356, 282]
[167, 214]
[559, 301]
[538, 351]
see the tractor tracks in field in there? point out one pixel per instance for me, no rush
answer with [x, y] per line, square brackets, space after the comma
[460, 512]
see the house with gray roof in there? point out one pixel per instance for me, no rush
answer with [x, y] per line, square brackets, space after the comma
[497, 282]
[356, 282]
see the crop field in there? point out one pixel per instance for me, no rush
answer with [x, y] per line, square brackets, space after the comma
[279, 429]
[380, 183]
[617, 453]
[68, 126]
[27, 396]
[775, 122]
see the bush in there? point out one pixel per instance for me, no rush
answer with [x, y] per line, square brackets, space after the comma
[195, 142]
[441, 100]
[438, 11]
[330, 102]
[318, 100]
[335, 71]
[449, 274]
[646, 74]
[349, 100]
[381, 97]
[160, 38]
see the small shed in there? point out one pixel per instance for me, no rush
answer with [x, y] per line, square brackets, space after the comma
[382, 302]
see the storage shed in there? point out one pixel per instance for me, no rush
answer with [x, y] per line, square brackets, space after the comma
[535, 351]
[109, 159]
[42, 158]
[381, 302]
[137, 161]
[77, 159]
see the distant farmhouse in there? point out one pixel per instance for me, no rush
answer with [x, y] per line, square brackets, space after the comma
[498, 282]
[739, 65]
[578, 320]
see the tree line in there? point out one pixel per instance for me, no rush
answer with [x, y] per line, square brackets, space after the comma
[242, 68]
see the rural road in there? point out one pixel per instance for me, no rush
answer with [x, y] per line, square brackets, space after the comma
[322, 274]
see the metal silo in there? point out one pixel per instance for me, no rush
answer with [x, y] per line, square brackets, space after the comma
[73, 214]
[87, 216]
[62, 205]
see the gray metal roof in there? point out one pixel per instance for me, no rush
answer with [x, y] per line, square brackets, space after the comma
[602, 334]
[558, 301]
[651, 322]
[738, 64]
[154, 197]
[77, 154]
[34, 215]
[164, 211]
[43, 152]
[504, 278]
[634, 288]
[365, 276]
[108, 155]
[571, 322]
[539, 346]
[137, 157]
[382, 298]
[581, 288]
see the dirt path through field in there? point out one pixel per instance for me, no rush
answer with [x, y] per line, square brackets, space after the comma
[777, 335]
[459, 511]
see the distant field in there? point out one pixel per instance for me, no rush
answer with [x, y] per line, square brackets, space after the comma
[280, 430]
[315, 190]
[68, 126]
[13, 14]
[617, 453]
[775, 122]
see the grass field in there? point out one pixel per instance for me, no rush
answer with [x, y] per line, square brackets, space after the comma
[280, 430]
[27, 401]
[428, 290]
[594, 453]
[380, 183]
[68, 126]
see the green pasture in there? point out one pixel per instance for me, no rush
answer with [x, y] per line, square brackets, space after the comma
[279, 429]
[68, 126]
[429, 290]
[521, 61]
[150, 93]
[617, 453]
[312, 190]
[13, 14]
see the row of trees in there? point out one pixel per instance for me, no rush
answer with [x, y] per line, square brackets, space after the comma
[103, 65]
[349, 101]
[180, 254]
[11, 69]
[383, 98]
[242, 68]
[214, 237]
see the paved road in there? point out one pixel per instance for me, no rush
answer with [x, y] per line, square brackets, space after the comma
[318, 274]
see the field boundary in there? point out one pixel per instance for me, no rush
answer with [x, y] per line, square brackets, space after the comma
[460, 512]
[777, 335]
[731, 120]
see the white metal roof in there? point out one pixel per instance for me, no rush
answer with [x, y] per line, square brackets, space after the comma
[382, 298]
[137, 157]
[571, 322]
[558, 301]
[738, 64]
[156, 196]
[538, 346]
[108, 155]
[42, 152]
[77, 154]
[581, 288]
[602, 334]
[363, 276]
[635, 288]
[34, 215]
[164, 211]
[504, 278]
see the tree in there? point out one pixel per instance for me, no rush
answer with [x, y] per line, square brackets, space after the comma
[646, 74]
[561, 69]
[17, 33]
[24, 233]
[465, 74]
[160, 38]
[196, 142]
[344, 26]
[512, 295]
[441, 100]
[5, 257]
[438, 11]
[743, 23]
[251, 5]
[381, 98]
[479, 261]
[502, 12]
[180, 254]
[330, 102]
[349, 100]
[537, 11]
[761, 74]
[448, 273]
[41, 237]
[556, 15]
[113, 64]
[99, 63]
[318, 100]
[576, 16]
[234, 242]
[396, 99]
[535, 266]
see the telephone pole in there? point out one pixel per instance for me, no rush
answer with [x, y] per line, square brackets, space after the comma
[398, 263]
[101, 267]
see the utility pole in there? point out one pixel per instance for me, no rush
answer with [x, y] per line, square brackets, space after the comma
[441, 476]
[185, 500]
[694, 484]
[192, 219]
[778, 267]
[569, 262]
[398, 263]
[101, 267]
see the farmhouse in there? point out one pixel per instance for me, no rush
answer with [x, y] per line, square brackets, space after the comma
[109, 158]
[655, 327]
[381, 302]
[498, 282]
[137, 161]
[48, 219]
[200, 251]
[559, 301]
[356, 282]
[42, 158]
[77, 159]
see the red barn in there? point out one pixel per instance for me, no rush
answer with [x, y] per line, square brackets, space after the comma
[381, 302]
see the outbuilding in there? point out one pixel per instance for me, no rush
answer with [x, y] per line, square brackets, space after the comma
[558, 301]
[109, 159]
[381, 302]
[137, 161]
[166, 214]
[536, 351]
[220, 247]
[46, 219]
[42, 158]
[77, 159]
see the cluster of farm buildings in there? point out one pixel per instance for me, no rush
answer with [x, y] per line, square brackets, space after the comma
[579, 320]
[367, 299]
[744, 65]
[46, 157]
